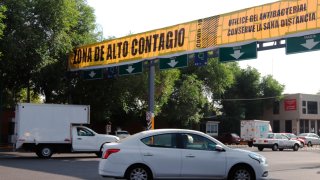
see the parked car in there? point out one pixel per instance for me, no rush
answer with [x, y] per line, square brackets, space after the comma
[276, 141]
[295, 137]
[178, 154]
[310, 138]
[229, 138]
[122, 134]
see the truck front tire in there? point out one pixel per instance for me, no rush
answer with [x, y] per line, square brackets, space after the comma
[44, 152]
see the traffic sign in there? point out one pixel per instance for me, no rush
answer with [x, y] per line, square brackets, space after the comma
[93, 74]
[130, 69]
[248, 51]
[111, 72]
[174, 62]
[201, 58]
[303, 44]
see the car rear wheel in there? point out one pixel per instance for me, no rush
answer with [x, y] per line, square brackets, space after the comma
[139, 173]
[241, 172]
[309, 144]
[275, 147]
[295, 147]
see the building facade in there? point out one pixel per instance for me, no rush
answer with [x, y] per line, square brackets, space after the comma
[295, 113]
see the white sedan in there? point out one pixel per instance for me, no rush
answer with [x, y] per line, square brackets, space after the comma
[310, 138]
[178, 154]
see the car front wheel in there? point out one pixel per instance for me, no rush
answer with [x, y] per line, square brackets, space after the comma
[241, 172]
[275, 147]
[296, 147]
[139, 173]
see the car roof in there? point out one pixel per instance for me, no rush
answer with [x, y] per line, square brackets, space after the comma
[160, 131]
[147, 133]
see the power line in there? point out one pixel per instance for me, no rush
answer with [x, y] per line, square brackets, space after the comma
[246, 99]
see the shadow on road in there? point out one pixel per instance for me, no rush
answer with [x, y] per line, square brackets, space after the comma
[78, 167]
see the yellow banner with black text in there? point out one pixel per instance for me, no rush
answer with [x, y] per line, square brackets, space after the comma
[269, 21]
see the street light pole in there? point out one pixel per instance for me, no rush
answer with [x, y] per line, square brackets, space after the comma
[150, 113]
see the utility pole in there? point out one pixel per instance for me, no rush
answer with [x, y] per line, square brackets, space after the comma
[150, 113]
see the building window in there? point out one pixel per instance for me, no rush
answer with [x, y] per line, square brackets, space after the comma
[276, 107]
[313, 126]
[301, 126]
[288, 126]
[318, 125]
[276, 126]
[304, 103]
[312, 107]
[304, 110]
[212, 128]
[304, 126]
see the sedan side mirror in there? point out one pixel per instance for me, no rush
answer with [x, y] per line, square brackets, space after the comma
[219, 148]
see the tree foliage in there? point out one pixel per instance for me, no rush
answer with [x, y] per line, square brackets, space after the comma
[186, 103]
[38, 37]
[39, 34]
[247, 97]
[2, 16]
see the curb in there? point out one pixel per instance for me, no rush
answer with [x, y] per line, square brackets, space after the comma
[6, 148]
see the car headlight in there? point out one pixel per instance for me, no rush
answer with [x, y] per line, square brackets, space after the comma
[258, 157]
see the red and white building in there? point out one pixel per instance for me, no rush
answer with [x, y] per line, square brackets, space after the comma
[296, 113]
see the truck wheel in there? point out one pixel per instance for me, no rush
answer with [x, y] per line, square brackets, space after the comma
[275, 147]
[44, 152]
[295, 147]
[99, 154]
[260, 148]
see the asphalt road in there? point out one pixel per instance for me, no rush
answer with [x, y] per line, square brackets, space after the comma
[285, 165]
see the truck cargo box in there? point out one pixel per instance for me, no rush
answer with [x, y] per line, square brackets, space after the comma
[48, 122]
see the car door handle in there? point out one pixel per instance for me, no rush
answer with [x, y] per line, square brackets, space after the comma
[190, 156]
[79, 138]
[147, 154]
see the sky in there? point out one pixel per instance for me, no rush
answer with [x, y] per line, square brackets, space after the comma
[300, 73]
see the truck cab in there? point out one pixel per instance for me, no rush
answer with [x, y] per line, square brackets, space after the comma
[85, 139]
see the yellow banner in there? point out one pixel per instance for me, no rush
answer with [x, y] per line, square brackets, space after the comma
[269, 21]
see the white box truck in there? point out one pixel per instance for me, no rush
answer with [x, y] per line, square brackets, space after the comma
[251, 129]
[56, 128]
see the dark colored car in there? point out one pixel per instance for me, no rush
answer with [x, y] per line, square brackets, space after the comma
[229, 138]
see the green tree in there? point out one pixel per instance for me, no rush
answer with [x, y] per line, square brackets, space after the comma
[38, 37]
[247, 97]
[2, 16]
[124, 100]
[185, 107]
[20, 44]
[73, 25]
